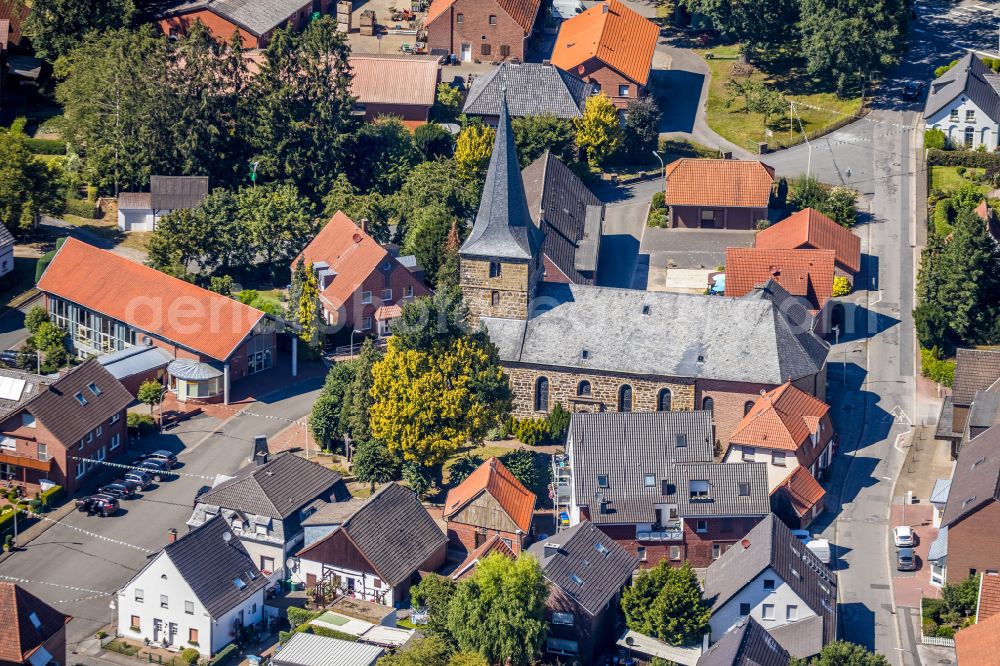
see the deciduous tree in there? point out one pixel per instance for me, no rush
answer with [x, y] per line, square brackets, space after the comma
[27, 186]
[278, 221]
[56, 26]
[473, 150]
[666, 602]
[642, 127]
[598, 132]
[843, 653]
[753, 23]
[151, 393]
[500, 611]
[327, 423]
[433, 593]
[434, 141]
[383, 152]
[309, 307]
[533, 135]
[427, 237]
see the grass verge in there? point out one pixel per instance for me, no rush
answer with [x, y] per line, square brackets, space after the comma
[947, 179]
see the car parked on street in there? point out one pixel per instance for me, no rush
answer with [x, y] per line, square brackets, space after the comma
[906, 560]
[100, 505]
[903, 536]
[139, 477]
[913, 89]
[166, 457]
[155, 468]
[118, 489]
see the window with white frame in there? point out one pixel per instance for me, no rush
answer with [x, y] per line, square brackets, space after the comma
[649, 481]
[366, 323]
[748, 454]
[115, 440]
[114, 419]
[261, 529]
[623, 90]
[237, 524]
[81, 468]
[778, 458]
[366, 297]
[970, 115]
[954, 116]
[164, 602]
[99, 431]
[189, 607]
[701, 526]
[791, 612]
[640, 553]
[43, 451]
[562, 618]
[90, 437]
[387, 294]
[767, 611]
[8, 444]
[408, 291]
[140, 596]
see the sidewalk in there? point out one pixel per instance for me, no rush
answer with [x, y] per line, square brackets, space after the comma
[26, 536]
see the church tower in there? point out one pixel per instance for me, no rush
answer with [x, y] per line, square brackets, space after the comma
[501, 260]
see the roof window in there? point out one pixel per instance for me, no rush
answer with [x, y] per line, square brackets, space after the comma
[92, 387]
[80, 399]
[576, 579]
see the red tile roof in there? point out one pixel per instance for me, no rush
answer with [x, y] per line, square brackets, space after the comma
[351, 253]
[19, 636]
[522, 11]
[810, 228]
[498, 481]
[782, 418]
[989, 597]
[802, 490]
[16, 13]
[805, 273]
[388, 312]
[614, 34]
[151, 301]
[723, 183]
[979, 644]
[4, 33]
[493, 545]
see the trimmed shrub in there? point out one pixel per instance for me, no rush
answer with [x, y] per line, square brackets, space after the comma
[532, 431]
[966, 158]
[141, 422]
[81, 208]
[298, 616]
[224, 654]
[46, 146]
[942, 217]
[332, 633]
[935, 139]
[841, 286]
[934, 367]
[190, 656]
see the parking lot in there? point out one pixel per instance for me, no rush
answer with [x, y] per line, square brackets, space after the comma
[76, 564]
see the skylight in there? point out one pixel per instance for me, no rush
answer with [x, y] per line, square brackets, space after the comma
[600, 548]
[92, 387]
[576, 579]
[35, 621]
[80, 399]
[238, 582]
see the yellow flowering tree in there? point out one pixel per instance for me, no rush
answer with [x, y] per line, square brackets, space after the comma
[472, 151]
[598, 130]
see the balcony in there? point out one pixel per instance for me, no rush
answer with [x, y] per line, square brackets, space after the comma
[672, 531]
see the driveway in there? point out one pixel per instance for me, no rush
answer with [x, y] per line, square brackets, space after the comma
[77, 564]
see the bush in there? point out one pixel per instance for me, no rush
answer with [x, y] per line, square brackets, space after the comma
[841, 286]
[81, 208]
[966, 158]
[935, 139]
[657, 218]
[46, 146]
[942, 217]
[332, 633]
[558, 422]
[224, 654]
[190, 656]
[934, 367]
[52, 496]
[141, 422]
[434, 141]
[532, 431]
[299, 616]
[659, 200]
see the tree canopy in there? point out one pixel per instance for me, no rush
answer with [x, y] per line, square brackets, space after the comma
[27, 186]
[56, 26]
[666, 602]
[842, 653]
[598, 132]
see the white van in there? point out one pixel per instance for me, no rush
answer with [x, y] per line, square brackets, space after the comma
[566, 9]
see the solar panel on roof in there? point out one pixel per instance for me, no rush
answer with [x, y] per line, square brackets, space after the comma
[11, 388]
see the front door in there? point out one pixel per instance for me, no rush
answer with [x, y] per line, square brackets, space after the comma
[157, 628]
[310, 580]
[466, 52]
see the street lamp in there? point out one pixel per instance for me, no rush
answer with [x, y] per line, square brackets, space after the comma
[352, 340]
[663, 170]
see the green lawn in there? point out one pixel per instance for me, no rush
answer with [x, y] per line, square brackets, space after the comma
[947, 179]
[785, 74]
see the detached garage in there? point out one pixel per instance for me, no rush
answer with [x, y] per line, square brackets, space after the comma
[140, 211]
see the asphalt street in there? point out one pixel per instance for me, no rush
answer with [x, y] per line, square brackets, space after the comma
[76, 571]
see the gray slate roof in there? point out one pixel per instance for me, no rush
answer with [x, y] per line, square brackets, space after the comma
[33, 384]
[134, 201]
[58, 409]
[503, 227]
[976, 479]
[135, 360]
[255, 16]
[746, 339]
[975, 370]
[970, 77]
[392, 530]
[745, 644]
[771, 544]
[985, 410]
[6, 238]
[725, 481]
[627, 446]
[600, 564]
[531, 88]
[568, 214]
[276, 489]
[210, 564]
[176, 192]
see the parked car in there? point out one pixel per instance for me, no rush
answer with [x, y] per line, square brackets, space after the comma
[906, 560]
[819, 547]
[118, 489]
[201, 491]
[153, 467]
[913, 89]
[100, 504]
[84, 503]
[169, 459]
[139, 477]
[11, 358]
[903, 536]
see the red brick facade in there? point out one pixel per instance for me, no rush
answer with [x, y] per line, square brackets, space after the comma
[974, 544]
[611, 82]
[403, 287]
[223, 29]
[694, 217]
[469, 537]
[589, 631]
[696, 547]
[482, 27]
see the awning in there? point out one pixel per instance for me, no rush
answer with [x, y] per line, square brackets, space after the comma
[192, 371]
[940, 493]
[388, 312]
[939, 547]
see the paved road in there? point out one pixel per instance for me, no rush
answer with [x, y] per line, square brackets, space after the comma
[66, 557]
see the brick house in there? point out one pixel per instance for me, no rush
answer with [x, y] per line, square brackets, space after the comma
[805, 274]
[718, 193]
[481, 30]
[495, 544]
[969, 539]
[255, 20]
[361, 284]
[32, 633]
[609, 46]
[648, 351]
[660, 496]
[809, 229]
[771, 577]
[586, 572]
[972, 407]
[786, 428]
[57, 431]
[489, 502]
[214, 340]
[798, 499]
[394, 84]
[377, 554]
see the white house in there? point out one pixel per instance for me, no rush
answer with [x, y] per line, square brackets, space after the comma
[770, 576]
[140, 211]
[197, 592]
[6, 251]
[964, 103]
[375, 553]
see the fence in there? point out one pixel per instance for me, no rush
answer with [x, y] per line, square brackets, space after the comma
[932, 640]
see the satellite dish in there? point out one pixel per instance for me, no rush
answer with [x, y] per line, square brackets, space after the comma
[227, 537]
[290, 563]
[629, 640]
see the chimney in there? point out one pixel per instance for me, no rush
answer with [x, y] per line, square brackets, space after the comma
[550, 549]
[727, 155]
[604, 8]
[171, 535]
[364, 225]
[260, 458]
[546, 63]
[745, 543]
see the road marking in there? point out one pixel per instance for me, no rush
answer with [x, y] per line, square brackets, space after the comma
[895, 444]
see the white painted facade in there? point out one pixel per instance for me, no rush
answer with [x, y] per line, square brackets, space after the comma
[772, 608]
[365, 586]
[169, 614]
[6, 259]
[139, 220]
[780, 463]
[965, 124]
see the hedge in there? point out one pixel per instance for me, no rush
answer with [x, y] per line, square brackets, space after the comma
[223, 654]
[332, 633]
[298, 616]
[935, 368]
[942, 217]
[81, 208]
[46, 146]
[966, 158]
[7, 521]
[53, 496]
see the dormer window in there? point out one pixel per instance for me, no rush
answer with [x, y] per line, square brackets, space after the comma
[744, 489]
[698, 488]
[92, 387]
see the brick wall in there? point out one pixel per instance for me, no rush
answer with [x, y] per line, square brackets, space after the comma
[468, 22]
[351, 315]
[463, 537]
[696, 546]
[689, 217]
[513, 287]
[610, 82]
[974, 543]
[219, 27]
[412, 112]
